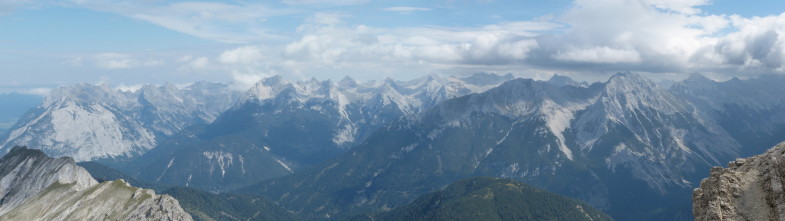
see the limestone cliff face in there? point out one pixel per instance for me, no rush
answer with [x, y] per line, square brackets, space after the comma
[749, 189]
[25, 172]
[34, 186]
[111, 200]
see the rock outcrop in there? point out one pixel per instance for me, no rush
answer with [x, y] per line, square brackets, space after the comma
[34, 186]
[25, 172]
[111, 200]
[749, 189]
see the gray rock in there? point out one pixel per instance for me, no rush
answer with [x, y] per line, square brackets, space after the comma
[111, 200]
[750, 189]
[25, 172]
[34, 186]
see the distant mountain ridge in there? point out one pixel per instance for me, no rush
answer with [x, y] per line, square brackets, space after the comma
[750, 110]
[607, 143]
[334, 149]
[88, 122]
[279, 127]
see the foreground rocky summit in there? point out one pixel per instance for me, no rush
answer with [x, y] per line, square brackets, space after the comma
[111, 200]
[749, 189]
[34, 186]
[25, 172]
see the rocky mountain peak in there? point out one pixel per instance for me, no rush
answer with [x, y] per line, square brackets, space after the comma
[562, 80]
[87, 121]
[34, 186]
[80, 93]
[488, 79]
[626, 82]
[749, 189]
[348, 82]
[698, 77]
[25, 172]
[268, 88]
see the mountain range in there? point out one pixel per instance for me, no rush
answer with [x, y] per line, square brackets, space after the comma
[609, 144]
[332, 150]
[89, 122]
[279, 127]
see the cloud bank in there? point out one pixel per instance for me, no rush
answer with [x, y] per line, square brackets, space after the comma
[331, 39]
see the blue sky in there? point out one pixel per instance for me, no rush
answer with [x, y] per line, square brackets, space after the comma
[123, 43]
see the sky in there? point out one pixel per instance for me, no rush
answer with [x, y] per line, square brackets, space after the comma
[50, 43]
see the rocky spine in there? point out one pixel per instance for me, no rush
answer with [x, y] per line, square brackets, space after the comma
[749, 189]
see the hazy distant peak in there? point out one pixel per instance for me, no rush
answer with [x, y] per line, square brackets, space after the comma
[348, 82]
[628, 81]
[697, 77]
[483, 78]
[561, 80]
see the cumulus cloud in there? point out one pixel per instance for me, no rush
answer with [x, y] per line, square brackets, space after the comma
[655, 36]
[757, 46]
[599, 55]
[242, 55]
[629, 35]
[191, 63]
[501, 43]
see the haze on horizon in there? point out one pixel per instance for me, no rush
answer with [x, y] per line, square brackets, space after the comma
[44, 44]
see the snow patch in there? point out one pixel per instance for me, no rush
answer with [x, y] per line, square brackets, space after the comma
[284, 165]
[220, 159]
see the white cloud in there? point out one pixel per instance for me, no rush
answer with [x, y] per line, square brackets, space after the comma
[629, 35]
[119, 61]
[222, 22]
[758, 45]
[42, 91]
[244, 80]
[191, 63]
[404, 9]
[199, 63]
[657, 36]
[681, 6]
[599, 55]
[501, 43]
[324, 2]
[319, 19]
[7, 6]
[242, 55]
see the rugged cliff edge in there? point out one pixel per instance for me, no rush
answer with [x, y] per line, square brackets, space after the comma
[749, 189]
[111, 200]
[25, 172]
[34, 186]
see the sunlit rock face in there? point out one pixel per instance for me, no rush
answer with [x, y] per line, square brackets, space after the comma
[749, 189]
[87, 122]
